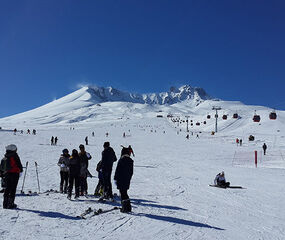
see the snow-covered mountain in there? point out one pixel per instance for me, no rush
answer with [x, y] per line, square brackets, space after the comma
[174, 95]
[89, 105]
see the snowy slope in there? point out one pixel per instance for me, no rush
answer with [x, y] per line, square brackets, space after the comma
[170, 195]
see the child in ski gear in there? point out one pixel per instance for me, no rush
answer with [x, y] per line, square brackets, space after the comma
[11, 167]
[123, 176]
[220, 180]
[108, 158]
[74, 171]
[62, 163]
[84, 173]
[100, 187]
[264, 148]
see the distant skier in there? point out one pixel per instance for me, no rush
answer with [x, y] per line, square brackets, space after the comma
[123, 175]
[11, 167]
[93, 134]
[187, 136]
[108, 158]
[84, 173]
[34, 131]
[74, 170]
[28, 131]
[52, 140]
[240, 142]
[55, 140]
[124, 135]
[15, 131]
[62, 163]
[237, 141]
[264, 148]
[107, 134]
[220, 180]
[86, 140]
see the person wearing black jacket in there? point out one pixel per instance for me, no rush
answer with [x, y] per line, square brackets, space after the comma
[123, 176]
[11, 167]
[73, 164]
[108, 158]
[84, 158]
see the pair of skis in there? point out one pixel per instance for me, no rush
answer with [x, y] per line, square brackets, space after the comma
[26, 168]
[213, 185]
[94, 212]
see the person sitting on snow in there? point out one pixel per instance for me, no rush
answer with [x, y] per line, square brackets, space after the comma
[220, 180]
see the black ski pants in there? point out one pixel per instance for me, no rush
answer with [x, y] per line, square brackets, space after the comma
[63, 180]
[74, 179]
[108, 193]
[10, 191]
[83, 185]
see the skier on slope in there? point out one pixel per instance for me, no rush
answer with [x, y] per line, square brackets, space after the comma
[264, 148]
[108, 158]
[123, 175]
[11, 167]
[74, 171]
[62, 163]
[220, 180]
[84, 173]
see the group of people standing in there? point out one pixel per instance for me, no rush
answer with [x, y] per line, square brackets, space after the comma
[74, 171]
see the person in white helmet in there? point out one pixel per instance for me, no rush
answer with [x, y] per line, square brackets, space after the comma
[11, 167]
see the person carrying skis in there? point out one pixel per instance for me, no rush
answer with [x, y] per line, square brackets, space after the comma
[108, 158]
[62, 163]
[73, 164]
[84, 173]
[11, 167]
[264, 148]
[123, 176]
[220, 180]
[100, 187]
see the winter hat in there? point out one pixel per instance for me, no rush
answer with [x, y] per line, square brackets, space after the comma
[81, 146]
[11, 147]
[106, 144]
[125, 151]
[65, 151]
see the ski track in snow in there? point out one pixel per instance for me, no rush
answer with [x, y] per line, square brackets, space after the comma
[169, 191]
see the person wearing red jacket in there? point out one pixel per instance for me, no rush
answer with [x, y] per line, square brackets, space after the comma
[11, 167]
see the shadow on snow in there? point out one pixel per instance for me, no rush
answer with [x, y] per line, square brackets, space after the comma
[178, 221]
[50, 214]
[147, 203]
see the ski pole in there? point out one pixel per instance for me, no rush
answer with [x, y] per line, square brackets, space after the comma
[37, 176]
[24, 177]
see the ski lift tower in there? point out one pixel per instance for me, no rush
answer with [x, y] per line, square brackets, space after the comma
[187, 129]
[216, 116]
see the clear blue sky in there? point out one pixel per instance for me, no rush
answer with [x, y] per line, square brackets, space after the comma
[235, 50]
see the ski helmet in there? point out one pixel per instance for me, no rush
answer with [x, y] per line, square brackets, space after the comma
[11, 147]
[65, 151]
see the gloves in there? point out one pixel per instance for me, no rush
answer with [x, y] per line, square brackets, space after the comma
[62, 165]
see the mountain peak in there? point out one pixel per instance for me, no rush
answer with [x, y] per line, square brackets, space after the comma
[175, 95]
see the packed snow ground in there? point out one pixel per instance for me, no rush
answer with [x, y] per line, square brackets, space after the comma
[169, 191]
